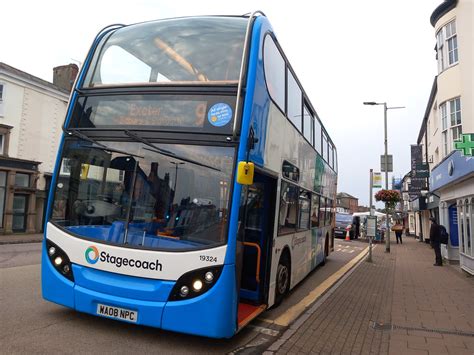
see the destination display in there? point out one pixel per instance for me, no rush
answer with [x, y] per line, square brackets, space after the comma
[168, 112]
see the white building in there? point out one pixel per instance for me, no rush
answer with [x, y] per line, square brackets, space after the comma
[32, 112]
[449, 113]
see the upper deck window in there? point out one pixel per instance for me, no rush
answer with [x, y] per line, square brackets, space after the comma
[295, 103]
[274, 66]
[200, 49]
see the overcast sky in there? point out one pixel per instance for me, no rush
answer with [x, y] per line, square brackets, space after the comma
[344, 52]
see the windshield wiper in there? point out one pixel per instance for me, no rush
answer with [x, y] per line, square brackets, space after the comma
[147, 142]
[82, 136]
[167, 153]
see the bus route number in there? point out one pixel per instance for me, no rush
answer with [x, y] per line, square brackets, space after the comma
[208, 258]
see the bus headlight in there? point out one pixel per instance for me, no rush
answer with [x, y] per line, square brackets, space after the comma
[209, 276]
[59, 259]
[195, 283]
[184, 291]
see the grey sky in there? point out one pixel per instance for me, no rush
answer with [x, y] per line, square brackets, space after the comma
[344, 52]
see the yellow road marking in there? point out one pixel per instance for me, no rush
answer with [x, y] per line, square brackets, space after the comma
[295, 311]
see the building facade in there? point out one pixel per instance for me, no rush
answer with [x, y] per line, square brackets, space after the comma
[450, 113]
[346, 203]
[32, 112]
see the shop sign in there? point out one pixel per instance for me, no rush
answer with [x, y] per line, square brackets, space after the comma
[454, 167]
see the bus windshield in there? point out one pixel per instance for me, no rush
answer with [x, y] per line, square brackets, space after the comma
[205, 49]
[166, 197]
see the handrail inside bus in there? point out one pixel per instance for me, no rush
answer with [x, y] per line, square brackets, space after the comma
[259, 252]
[242, 67]
[186, 65]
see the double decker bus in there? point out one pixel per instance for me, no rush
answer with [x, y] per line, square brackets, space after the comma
[194, 184]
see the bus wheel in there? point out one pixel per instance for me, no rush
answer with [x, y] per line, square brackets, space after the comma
[282, 279]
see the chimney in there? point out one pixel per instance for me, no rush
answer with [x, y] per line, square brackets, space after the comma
[64, 76]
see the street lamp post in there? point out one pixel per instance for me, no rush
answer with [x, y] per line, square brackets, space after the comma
[385, 108]
[176, 164]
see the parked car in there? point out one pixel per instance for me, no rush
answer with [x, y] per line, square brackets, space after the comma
[342, 221]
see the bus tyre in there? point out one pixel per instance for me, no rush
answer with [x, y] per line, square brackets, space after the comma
[282, 279]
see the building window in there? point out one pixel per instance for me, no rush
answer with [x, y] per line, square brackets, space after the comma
[1, 100]
[439, 50]
[455, 113]
[22, 180]
[447, 46]
[452, 41]
[3, 183]
[4, 138]
[465, 227]
[452, 128]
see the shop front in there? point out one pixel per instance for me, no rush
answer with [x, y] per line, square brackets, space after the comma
[422, 216]
[18, 180]
[453, 181]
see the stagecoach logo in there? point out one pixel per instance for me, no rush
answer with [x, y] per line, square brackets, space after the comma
[297, 241]
[92, 255]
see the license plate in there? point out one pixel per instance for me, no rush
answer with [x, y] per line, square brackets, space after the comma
[117, 313]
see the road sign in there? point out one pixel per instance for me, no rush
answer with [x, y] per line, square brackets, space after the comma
[377, 180]
[390, 163]
[465, 144]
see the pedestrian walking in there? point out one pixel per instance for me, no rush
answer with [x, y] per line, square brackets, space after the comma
[435, 241]
[398, 229]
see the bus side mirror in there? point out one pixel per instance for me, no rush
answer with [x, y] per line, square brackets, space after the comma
[245, 173]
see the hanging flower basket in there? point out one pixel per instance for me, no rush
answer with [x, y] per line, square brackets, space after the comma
[390, 197]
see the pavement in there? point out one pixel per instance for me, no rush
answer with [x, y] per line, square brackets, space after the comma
[398, 304]
[21, 238]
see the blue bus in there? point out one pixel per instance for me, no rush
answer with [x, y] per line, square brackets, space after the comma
[194, 184]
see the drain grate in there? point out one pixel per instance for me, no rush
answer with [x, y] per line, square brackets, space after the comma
[389, 326]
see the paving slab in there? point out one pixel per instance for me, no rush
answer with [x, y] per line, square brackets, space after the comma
[399, 304]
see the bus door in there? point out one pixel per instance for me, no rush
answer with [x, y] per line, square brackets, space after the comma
[256, 241]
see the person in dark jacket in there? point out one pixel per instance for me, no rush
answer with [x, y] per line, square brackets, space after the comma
[398, 229]
[435, 241]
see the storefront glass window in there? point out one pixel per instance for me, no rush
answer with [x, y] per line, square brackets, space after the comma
[468, 208]
[461, 229]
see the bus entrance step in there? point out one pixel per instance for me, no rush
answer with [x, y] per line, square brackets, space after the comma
[247, 312]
